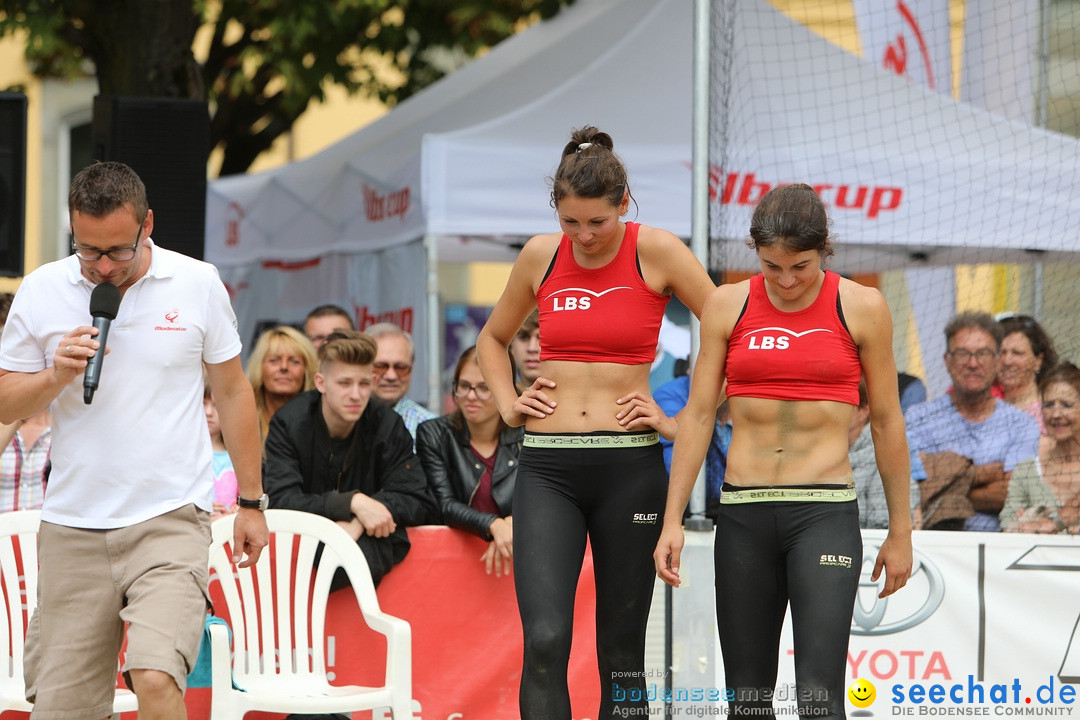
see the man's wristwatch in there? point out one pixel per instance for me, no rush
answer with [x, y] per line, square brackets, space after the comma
[261, 504]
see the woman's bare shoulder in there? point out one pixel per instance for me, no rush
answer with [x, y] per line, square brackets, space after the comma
[867, 315]
[861, 300]
[725, 303]
[727, 293]
[545, 243]
[859, 292]
[538, 250]
[656, 238]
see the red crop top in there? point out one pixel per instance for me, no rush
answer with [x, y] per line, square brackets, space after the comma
[605, 314]
[802, 355]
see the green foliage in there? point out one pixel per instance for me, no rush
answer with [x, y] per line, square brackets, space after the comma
[267, 59]
[51, 50]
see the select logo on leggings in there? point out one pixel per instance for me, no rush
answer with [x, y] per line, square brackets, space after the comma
[646, 518]
[843, 561]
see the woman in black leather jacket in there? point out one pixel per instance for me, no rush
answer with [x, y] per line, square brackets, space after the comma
[470, 458]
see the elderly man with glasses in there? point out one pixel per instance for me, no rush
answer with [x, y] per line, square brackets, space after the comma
[394, 365]
[965, 444]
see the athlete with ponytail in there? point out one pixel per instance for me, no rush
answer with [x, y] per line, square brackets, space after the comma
[591, 467]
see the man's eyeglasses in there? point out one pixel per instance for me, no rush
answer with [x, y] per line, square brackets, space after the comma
[402, 369]
[462, 390]
[116, 254]
[983, 356]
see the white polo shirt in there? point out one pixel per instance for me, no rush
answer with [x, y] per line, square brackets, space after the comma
[142, 447]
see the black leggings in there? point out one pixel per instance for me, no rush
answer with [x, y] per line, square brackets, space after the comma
[770, 553]
[616, 497]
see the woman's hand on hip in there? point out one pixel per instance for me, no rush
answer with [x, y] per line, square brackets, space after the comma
[533, 402]
[640, 412]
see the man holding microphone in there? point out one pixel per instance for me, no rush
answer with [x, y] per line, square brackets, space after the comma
[125, 523]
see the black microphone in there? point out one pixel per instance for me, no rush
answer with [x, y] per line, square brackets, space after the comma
[104, 304]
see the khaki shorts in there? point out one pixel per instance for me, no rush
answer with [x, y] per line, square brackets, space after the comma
[151, 576]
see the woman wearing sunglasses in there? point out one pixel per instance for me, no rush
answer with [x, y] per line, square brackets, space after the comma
[470, 459]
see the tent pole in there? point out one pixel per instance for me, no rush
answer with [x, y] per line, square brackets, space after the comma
[434, 347]
[685, 610]
[699, 222]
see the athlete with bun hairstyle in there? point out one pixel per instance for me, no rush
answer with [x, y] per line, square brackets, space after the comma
[591, 466]
[792, 342]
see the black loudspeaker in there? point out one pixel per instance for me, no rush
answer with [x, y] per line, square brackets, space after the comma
[167, 142]
[12, 182]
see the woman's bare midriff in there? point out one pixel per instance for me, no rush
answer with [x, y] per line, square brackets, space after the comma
[585, 393]
[787, 442]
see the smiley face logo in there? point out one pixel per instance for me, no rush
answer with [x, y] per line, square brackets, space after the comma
[861, 693]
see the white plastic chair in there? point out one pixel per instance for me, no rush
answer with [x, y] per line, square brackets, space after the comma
[275, 602]
[18, 578]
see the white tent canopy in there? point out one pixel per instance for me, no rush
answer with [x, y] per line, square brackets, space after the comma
[465, 160]
[330, 202]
